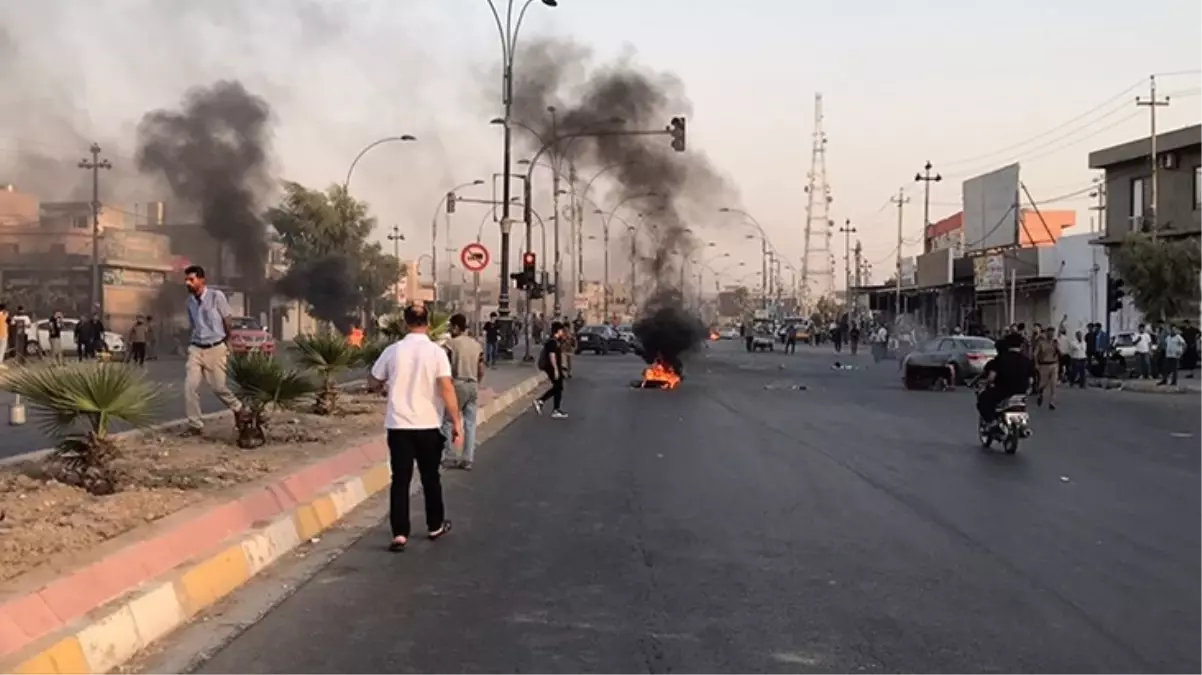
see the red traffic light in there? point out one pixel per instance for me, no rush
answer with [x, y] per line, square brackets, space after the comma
[528, 259]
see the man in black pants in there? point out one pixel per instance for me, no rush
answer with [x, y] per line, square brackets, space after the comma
[550, 361]
[415, 375]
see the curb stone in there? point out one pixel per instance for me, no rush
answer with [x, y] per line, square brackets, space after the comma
[108, 634]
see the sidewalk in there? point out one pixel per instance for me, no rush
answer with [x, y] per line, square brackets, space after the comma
[94, 612]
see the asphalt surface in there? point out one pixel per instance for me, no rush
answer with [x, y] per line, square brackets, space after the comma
[739, 525]
[19, 440]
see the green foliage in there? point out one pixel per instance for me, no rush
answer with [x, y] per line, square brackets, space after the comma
[827, 310]
[1161, 276]
[393, 327]
[332, 266]
[77, 405]
[263, 383]
[328, 355]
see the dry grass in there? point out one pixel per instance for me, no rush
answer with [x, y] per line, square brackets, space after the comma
[48, 522]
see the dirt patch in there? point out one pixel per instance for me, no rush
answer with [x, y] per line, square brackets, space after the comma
[45, 521]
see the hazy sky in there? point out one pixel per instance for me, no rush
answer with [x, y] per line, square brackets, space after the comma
[968, 84]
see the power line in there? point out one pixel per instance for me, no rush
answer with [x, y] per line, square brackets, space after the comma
[1056, 144]
[1122, 95]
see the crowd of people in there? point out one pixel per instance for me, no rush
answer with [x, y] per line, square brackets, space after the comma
[20, 339]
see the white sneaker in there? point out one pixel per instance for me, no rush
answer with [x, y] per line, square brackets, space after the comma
[558, 415]
[538, 407]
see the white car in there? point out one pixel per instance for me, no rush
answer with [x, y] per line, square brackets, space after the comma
[729, 333]
[113, 341]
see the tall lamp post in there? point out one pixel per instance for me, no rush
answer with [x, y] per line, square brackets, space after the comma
[346, 183]
[763, 251]
[508, 31]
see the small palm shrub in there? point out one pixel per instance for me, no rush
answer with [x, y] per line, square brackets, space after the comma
[264, 384]
[327, 355]
[77, 405]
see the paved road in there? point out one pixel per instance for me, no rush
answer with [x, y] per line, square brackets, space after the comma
[727, 526]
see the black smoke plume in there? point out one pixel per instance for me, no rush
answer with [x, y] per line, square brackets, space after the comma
[679, 192]
[215, 154]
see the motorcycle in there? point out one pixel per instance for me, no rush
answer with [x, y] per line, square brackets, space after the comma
[1010, 424]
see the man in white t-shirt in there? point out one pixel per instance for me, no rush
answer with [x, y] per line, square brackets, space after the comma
[1143, 353]
[415, 375]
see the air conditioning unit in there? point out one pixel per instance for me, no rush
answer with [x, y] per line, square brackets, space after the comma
[1168, 161]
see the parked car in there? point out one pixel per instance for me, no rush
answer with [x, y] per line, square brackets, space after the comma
[113, 342]
[248, 335]
[728, 333]
[955, 359]
[601, 339]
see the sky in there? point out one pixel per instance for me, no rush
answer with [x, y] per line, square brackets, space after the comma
[968, 85]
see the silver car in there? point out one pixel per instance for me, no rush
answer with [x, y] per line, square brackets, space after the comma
[954, 359]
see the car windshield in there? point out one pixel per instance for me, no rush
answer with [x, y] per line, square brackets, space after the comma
[976, 343]
[245, 323]
[597, 330]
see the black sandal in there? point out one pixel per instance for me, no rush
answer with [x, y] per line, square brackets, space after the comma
[446, 527]
[397, 546]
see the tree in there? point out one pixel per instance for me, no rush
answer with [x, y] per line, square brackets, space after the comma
[827, 309]
[1161, 275]
[78, 405]
[332, 265]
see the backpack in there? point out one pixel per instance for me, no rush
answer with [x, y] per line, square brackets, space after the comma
[544, 359]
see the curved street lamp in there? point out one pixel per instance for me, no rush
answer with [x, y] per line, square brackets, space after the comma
[508, 32]
[388, 139]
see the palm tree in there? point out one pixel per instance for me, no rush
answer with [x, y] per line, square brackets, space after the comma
[77, 405]
[263, 384]
[328, 355]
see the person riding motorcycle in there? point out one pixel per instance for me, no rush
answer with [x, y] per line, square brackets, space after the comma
[1007, 374]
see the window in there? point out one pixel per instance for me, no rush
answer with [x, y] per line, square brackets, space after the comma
[80, 222]
[1137, 203]
[1197, 187]
[58, 249]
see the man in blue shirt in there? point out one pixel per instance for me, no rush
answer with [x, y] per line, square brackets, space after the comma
[208, 355]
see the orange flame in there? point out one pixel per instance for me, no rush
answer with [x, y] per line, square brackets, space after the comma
[660, 374]
[714, 337]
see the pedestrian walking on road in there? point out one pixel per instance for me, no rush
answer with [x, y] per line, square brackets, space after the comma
[82, 340]
[492, 340]
[854, 339]
[1047, 364]
[138, 337]
[1189, 360]
[1143, 353]
[1077, 358]
[1174, 349]
[54, 332]
[467, 370]
[22, 323]
[550, 361]
[208, 354]
[415, 375]
[3, 332]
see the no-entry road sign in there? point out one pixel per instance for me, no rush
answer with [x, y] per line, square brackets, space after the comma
[474, 257]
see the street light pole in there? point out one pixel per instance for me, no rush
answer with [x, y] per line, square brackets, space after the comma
[508, 31]
[346, 183]
[95, 165]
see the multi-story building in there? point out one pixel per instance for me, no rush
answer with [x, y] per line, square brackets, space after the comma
[1128, 208]
[46, 260]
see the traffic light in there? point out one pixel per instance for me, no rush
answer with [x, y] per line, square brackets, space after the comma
[676, 130]
[1114, 293]
[528, 268]
[519, 280]
[450, 202]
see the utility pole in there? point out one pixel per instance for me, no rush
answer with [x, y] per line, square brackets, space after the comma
[94, 165]
[901, 200]
[763, 272]
[926, 178]
[634, 256]
[818, 225]
[575, 221]
[859, 278]
[396, 238]
[1152, 104]
[847, 231]
[1100, 194]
